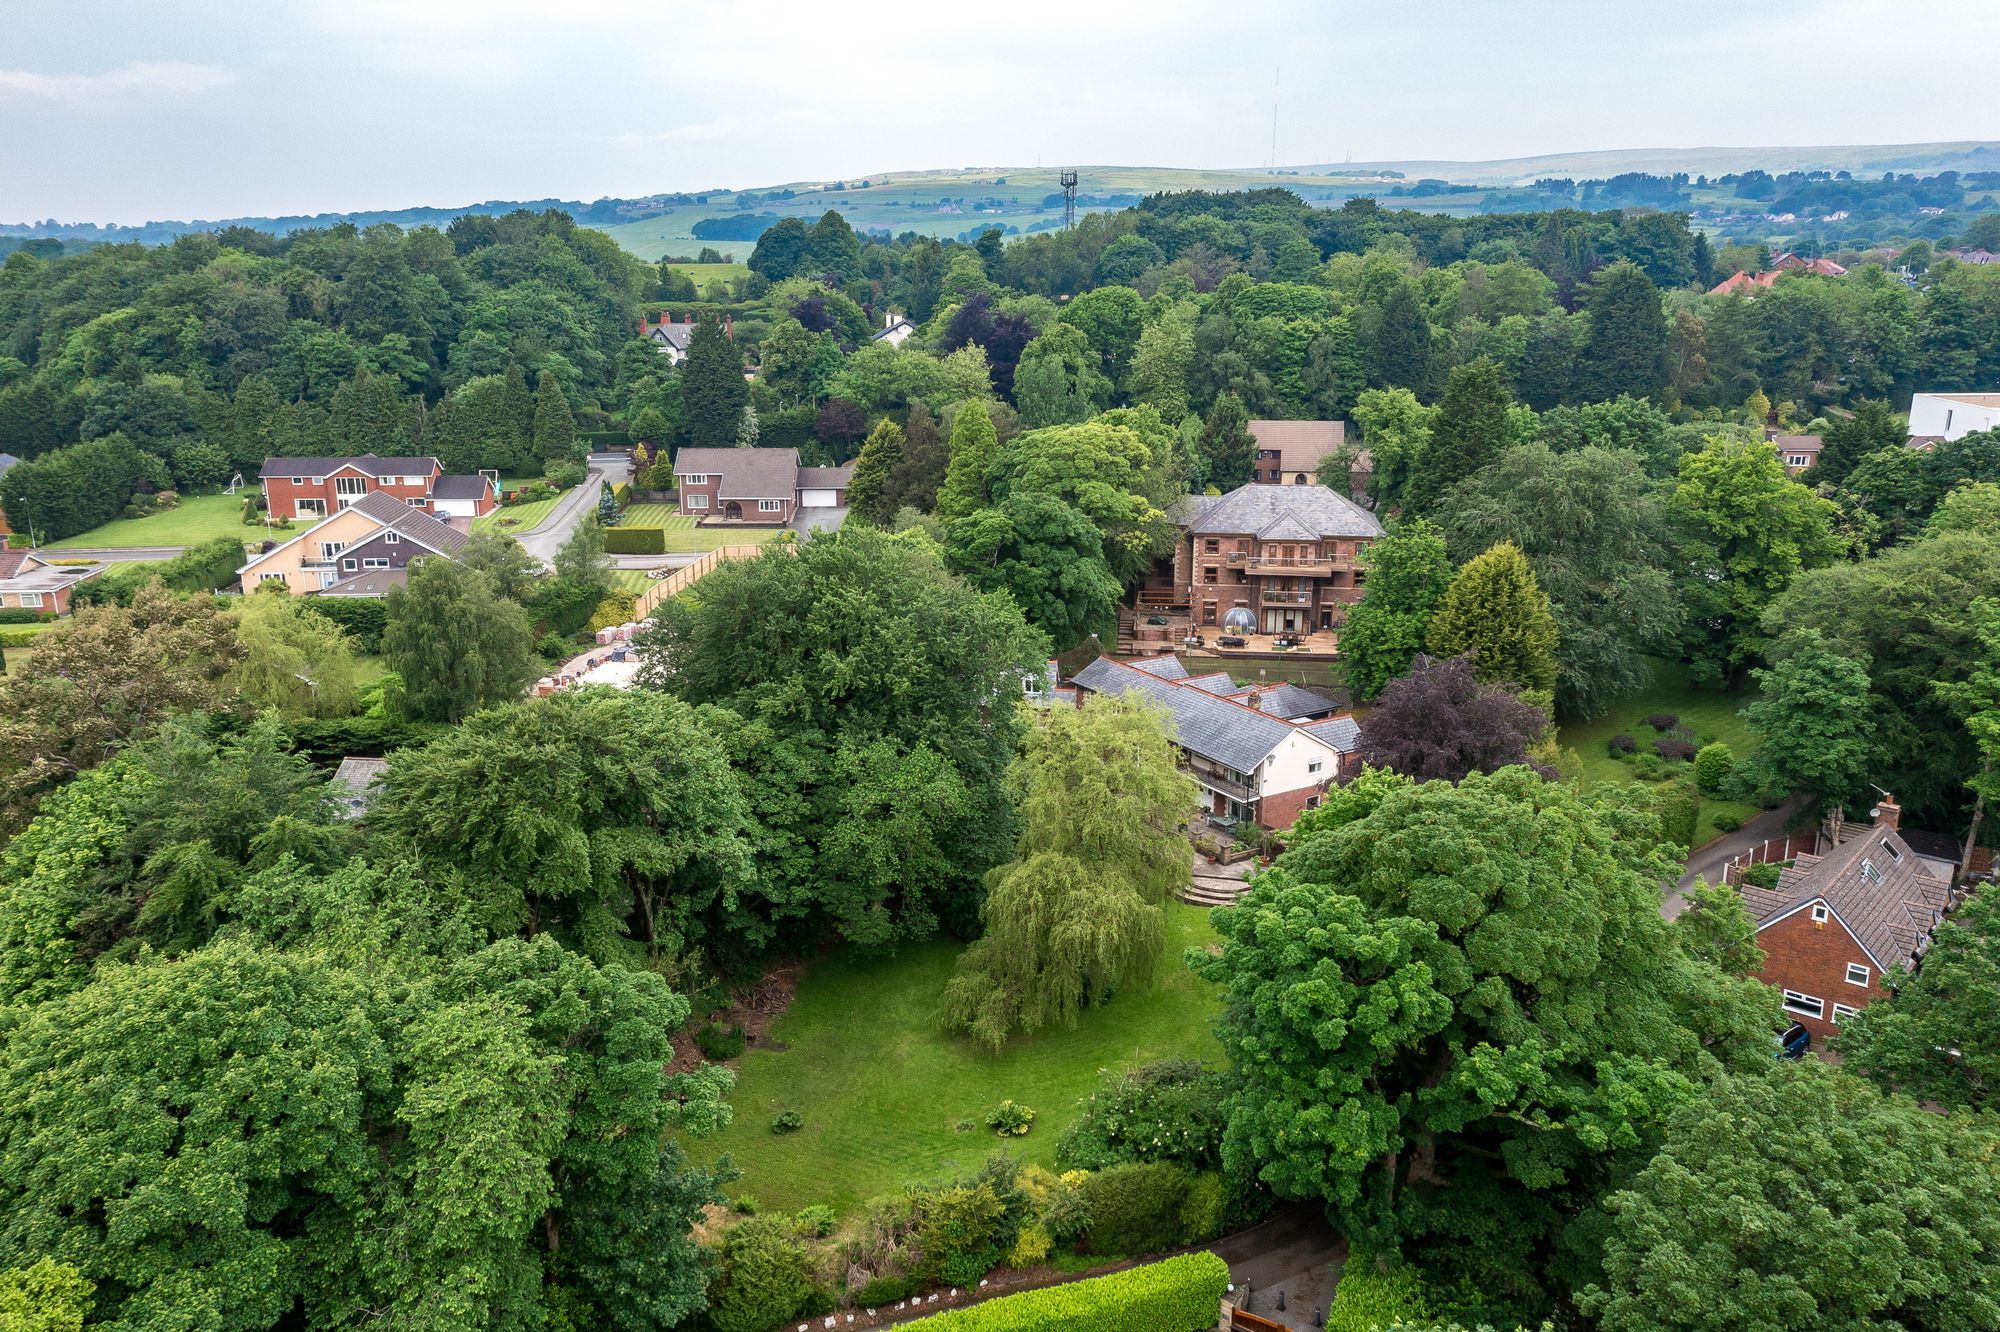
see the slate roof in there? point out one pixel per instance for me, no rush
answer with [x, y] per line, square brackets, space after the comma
[1166, 668]
[1281, 513]
[7, 461]
[745, 473]
[1215, 728]
[676, 336]
[1934, 845]
[354, 784]
[1797, 443]
[1217, 683]
[366, 462]
[1874, 883]
[1343, 733]
[461, 487]
[368, 583]
[1300, 445]
[825, 478]
[396, 516]
[891, 327]
[1289, 701]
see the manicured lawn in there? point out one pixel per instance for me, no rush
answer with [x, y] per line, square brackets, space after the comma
[1710, 714]
[634, 581]
[196, 519]
[517, 518]
[883, 1090]
[683, 535]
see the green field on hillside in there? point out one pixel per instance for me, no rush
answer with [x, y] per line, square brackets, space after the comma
[888, 1099]
[197, 518]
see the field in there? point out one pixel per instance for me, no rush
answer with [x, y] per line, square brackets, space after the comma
[517, 518]
[684, 537]
[196, 519]
[703, 274]
[884, 1093]
[1710, 714]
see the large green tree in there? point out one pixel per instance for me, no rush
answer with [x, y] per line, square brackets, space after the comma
[712, 387]
[1939, 1038]
[1408, 571]
[972, 446]
[1848, 438]
[1044, 554]
[1115, 472]
[1495, 610]
[1815, 722]
[555, 426]
[1396, 432]
[1469, 431]
[1058, 380]
[1625, 351]
[293, 658]
[869, 493]
[1227, 446]
[454, 642]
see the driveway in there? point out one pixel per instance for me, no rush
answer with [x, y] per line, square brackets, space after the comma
[807, 521]
[546, 538]
[1707, 862]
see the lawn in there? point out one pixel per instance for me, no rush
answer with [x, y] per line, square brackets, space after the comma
[703, 274]
[197, 518]
[884, 1092]
[1711, 714]
[516, 518]
[634, 581]
[682, 534]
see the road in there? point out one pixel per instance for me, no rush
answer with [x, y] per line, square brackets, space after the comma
[545, 539]
[1707, 863]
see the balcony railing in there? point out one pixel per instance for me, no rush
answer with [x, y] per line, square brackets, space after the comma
[1217, 781]
[1320, 565]
[1278, 598]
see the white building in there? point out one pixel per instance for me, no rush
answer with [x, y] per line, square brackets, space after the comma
[1938, 417]
[895, 330]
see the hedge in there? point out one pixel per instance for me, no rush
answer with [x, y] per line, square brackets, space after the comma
[1368, 1298]
[1180, 1294]
[364, 618]
[635, 540]
[18, 638]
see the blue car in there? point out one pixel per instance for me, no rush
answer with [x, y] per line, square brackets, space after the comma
[1793, 1042]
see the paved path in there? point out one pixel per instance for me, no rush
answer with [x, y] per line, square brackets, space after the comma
[544, 539]
[1296, 1252]
[110, 554]
[1707, 862]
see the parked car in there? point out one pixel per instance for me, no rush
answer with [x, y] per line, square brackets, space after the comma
[1793, 1042]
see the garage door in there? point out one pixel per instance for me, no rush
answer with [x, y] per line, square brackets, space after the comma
[817, 499]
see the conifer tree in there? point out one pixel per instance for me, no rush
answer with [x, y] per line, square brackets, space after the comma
[555, 428]
[712, 387]
[1469, 431]
[973, 444]
[868, 493]
[1495, 610]
[517, 417]
[1227, 445]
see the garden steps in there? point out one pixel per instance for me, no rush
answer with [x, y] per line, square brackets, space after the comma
[1213, 891]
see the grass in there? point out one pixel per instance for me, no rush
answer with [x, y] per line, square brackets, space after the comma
[197, 518]
[883, 1090]
[684, 536]
[703, 274]
[1710, 713]
[634, 581]
[516, 518]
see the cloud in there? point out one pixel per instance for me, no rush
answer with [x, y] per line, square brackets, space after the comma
[170, 77]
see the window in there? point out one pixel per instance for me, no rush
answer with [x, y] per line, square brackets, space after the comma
[1819, 913]
[1211, 545]
[374, 562]
[1804, 1004]
[298, 480]
[270, 578]
[319, 480]
[1857, 974]
[1894, 855]
[350, 485]
[419, 502]
[392, 538]
[1208, 573]
[1869, 874]
[349, 565]
[31, 601]
[1312, 802]
[1842, 1011]
[694, 479]
[697, 501]
[770, 506]
[329, 549]
[1315, 765]
[1798, 460]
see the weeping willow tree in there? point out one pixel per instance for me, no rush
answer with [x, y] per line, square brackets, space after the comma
[1079, 911]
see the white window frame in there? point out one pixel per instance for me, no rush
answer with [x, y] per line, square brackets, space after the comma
[1853, 967]
[1819, 913]
[392, 538]
[1798, 460]
[1843, 1011]
[1805, 1005]
[697, 501]
[330, 550]
[350, 486]
[348, 564]
[272, 578]
[419, 502]
[318, 480]
[31, 601]
[770, 506]
[695, 479]
[309, 508]
[1316, 765]
[374, 562]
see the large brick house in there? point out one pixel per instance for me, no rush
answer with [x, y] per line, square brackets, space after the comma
[756, 486]
[1286, 553]
[1837, 921]
[1289, 452]
[29, 582]
[318, 487]
[362, 550]
[1261, 754]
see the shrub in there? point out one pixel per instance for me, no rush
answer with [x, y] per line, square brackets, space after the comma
[1180, 1294]
[717, 1044]
[1031, 1246]
[17, 638]
[1674, 750]
[1680, 805]
[1621, 744]
[1763, 874]
[533, 492]
[618, 608]
[1135, 1208]
[815, 1221]
[565, 475]
[362, 617]
[745, 1205]
[21, 615]
[1663, 721]
[1205, 1208]
[1649, 767]
[961, 1230]
[167, 499]
[1727, 822]
[1010, 1119]
[1057, 1200]
[1712, 765]
[1368, 1298]
[764, 1279]
[882, 1290]
[788, 1121]
[1168, 1111]
[635, 540]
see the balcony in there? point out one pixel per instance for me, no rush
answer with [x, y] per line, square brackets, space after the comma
[313, 565]
[1316, 566]
[1216, 780]
[1273, 597]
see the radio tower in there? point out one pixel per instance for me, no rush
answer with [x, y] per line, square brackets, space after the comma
[1069, 199]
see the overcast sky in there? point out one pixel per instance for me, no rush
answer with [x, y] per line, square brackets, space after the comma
[130, 110]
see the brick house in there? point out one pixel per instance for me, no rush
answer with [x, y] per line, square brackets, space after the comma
[1252, 763]
[1289, 452]
[1837, 921]
[1797, 452]
[670, 337]
[1287, 553]
[30, 582]
[362, 550]
[755, 486]
[317, 487]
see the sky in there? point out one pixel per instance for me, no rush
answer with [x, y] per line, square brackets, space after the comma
[136, 110]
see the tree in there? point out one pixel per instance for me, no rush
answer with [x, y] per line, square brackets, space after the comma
[1044, 554]
[46, 1296]
[1977, 699]
[581, 559]
[1227, 445]
[1468, 432]
[1869, 428]
[1439, 722]
[1161, 363]
[1111, 318]
[1626, 348]
[555, 428]
[502, 559]
[868, 493]
[920, 471]
[1495, 611]
[1077, 913]
[1751, 529]
[1597, 533]
[1467, 988]
[1815, 722]
[456, 644]
[1399, 352]
[1886, 1222]
[973, 444]
[74, 488]
[712, 386]
[765, 1278]
[293, 658]
[1408, 571]
[782, 250]
[1939, 1038]
[102, 679]
[1396, 430]
[1974, 507]
[1058, 380]
[1117, 471]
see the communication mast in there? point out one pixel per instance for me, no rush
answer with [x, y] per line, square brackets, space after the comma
[1069, 199]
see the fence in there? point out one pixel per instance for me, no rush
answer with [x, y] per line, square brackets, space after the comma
[685, 577]
[1778, 848]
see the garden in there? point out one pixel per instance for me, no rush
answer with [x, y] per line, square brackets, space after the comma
[189, 522]
[682, 536]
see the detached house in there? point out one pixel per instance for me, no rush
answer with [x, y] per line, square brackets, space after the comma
[670, 337]
[755, 486]
[317, 487]
[1937, 418]
[1797, 452]
[1837, 921]
[362, 550]
[1289, 452]
[895, 330]
[29, 582]
[1253, 764]
[1286, 554]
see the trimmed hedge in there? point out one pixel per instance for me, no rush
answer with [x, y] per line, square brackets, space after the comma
[1182, 1294]
[1368, 1298]
[635, 540]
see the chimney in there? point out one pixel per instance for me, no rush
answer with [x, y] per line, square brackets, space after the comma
[1888, 814]
[888, 318]
[1256, 701]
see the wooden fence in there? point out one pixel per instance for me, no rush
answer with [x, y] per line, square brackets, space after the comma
[685, 577]
[1778, 848]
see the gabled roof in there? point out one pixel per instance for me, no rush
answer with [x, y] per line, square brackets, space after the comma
[366, 463]
[25, 571]
[1300, 445]
[1315, 511]
[1286, 700]
[7, 461]
[1287, 527]
[744, 473]
[462, 487]
[353, 784]
[414, 524]
[826, 478]
[1216, 682]
[1797, 443]
[1342, 733]
[1877, 886]
[899, 322]
[1219, 729]
[1743, 282]
[674, 335]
